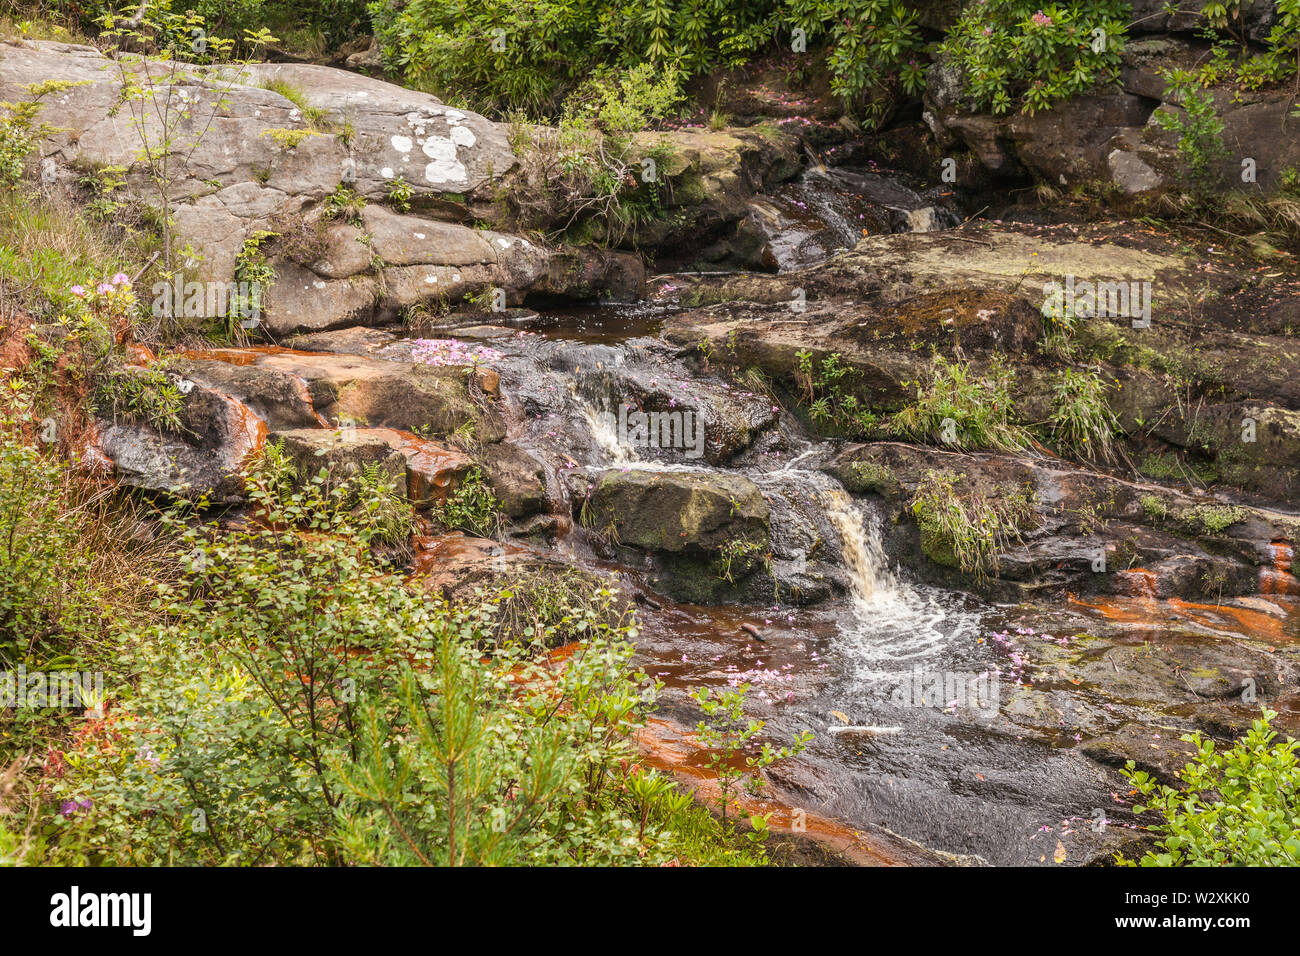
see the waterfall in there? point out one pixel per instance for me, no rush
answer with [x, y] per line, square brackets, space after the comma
[894, 623]
[863, 554]
[604, 429]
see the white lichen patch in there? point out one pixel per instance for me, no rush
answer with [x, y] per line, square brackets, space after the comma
[402, 144]
[462, 136]
[445, 167]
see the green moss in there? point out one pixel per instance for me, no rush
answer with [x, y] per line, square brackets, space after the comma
[1154, 507]
[1215, 519]
[871, 477]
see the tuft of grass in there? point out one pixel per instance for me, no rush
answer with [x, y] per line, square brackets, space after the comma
[963, 408]
[48, 245]
[313, 116]
[966, 530]
[1081, 421]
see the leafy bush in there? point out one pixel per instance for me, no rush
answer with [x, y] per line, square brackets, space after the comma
[871, 41]
[44, 598]
[1235, 807]
[729, 734]
[589, 170]
[1014, 54]
[500, 55]
[1199, 129]
[966, 530]
[471, 506]
[830, 403]
[1081, 420]
[298, 705]
[962, 408]
[19, 129]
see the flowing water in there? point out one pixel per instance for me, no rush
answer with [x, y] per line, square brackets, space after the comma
[893, 676]
[878, 766]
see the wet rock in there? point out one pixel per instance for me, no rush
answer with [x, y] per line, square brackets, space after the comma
[1180, 671]
[1156, 749]
[1087, 531]
[709, 530]
[517, 479]
[876, 341]
[352, 341]
[677, 511]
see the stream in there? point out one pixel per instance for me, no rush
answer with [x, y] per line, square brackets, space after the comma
[947, 728]
[950, 778]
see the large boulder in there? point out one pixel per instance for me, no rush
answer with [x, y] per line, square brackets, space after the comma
[326, 390]
[204, 459]
[276, 147]
[424, 470]
[708, 531]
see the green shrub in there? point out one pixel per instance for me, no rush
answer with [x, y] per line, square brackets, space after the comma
[871, 42]
[1081, 421]
[1239, 806]
[588, 171]
[297, 705]
[500, 55]
[44, 597]
[831, 404]
[1015, 54]
[964, 409]
[471, 506]
[1199, 129]
[731, 736]
[73, 558]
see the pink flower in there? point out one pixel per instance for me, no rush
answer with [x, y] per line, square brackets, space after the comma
[104, 288]
[79, 291]
[121, 279]
[1042, 19]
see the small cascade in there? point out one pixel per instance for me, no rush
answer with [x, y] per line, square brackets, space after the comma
[896, 625]
[863, 554]
[603, 425]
